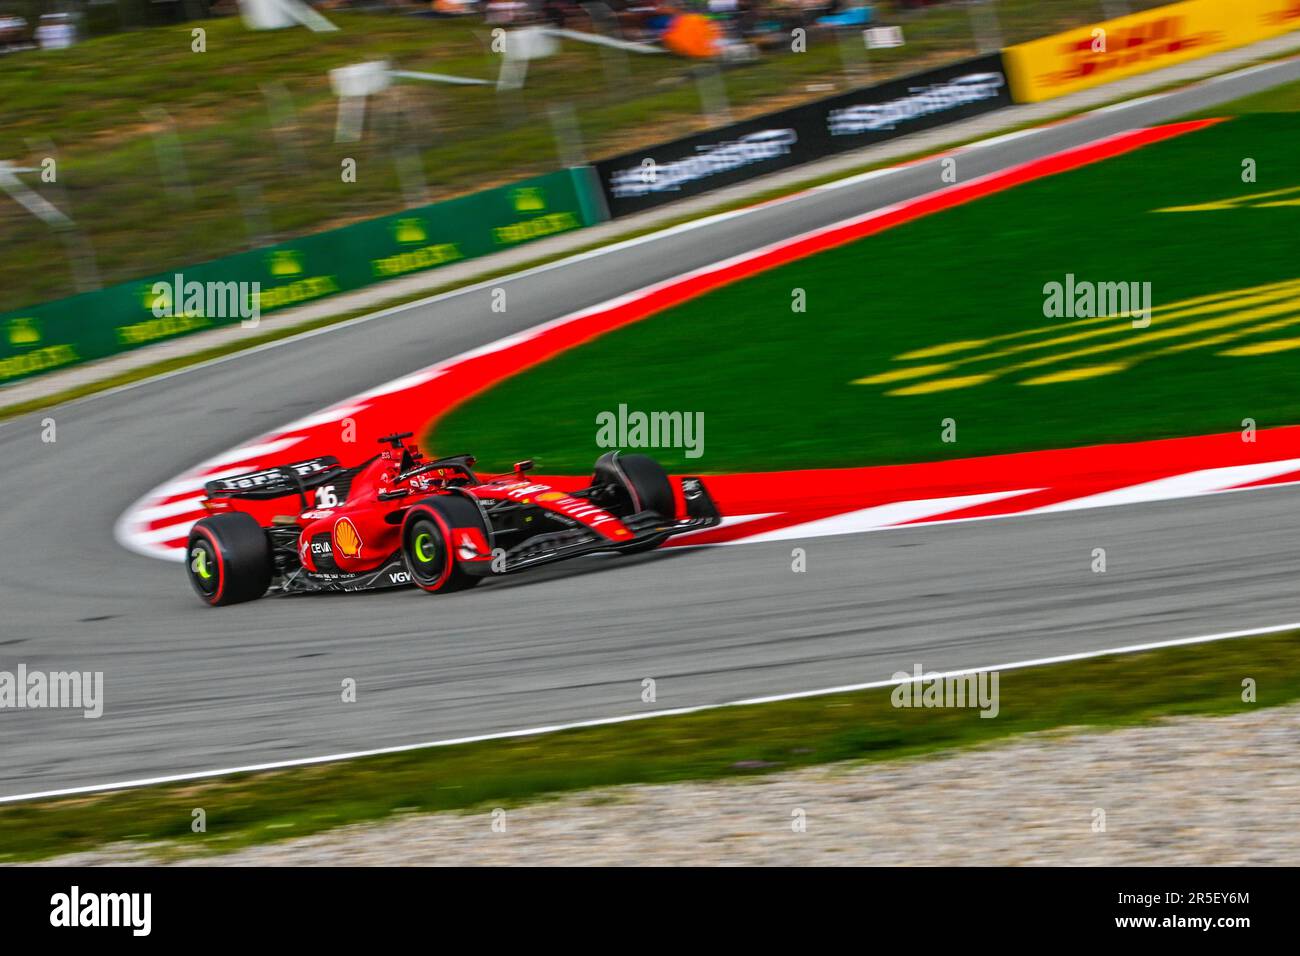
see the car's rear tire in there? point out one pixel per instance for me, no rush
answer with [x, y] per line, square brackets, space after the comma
[427, 547]
[645, 487]
[228, 559]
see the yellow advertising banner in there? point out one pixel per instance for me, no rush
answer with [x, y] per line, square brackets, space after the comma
[1103, 52]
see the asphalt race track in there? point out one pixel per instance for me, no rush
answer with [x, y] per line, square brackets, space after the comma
[189, 689]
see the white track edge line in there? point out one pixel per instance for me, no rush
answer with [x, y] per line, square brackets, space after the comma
[627, 718]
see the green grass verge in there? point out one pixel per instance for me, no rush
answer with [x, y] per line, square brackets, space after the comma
[1279, 99]
[231, 164]
[715, 744]
[777, 387]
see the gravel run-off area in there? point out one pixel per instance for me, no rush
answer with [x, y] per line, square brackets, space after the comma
[1207, 791]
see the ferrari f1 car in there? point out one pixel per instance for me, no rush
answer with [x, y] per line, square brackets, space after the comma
[398, 519]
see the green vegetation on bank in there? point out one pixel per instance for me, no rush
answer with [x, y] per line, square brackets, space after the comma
[944, 317]
[245, 129]
[723, 743]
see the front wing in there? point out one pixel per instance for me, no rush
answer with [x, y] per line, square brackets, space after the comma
[646, 526]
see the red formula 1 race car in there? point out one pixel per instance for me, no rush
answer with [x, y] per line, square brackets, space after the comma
[398, 519]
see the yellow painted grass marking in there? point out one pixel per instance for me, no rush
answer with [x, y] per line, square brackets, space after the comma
[941, 385]
[947, 348]
[1076, 374]
[1237, 202]
[1230, 336]
[902, 374]
[1244, 296]
[1288, 292]
[1096, 370]
[1274, 298]
[1264, 348]
[1148, 336]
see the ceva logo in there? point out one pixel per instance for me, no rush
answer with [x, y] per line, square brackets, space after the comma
[24, 331]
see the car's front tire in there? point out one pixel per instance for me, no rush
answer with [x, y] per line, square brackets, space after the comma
[644, 486]
[427, 547]
[228, 559]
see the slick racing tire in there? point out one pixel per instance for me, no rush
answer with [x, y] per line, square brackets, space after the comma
[646, 486]
[427, 548]
[228, 559]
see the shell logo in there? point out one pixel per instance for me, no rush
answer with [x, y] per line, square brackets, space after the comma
[552, 496]
[346, 538]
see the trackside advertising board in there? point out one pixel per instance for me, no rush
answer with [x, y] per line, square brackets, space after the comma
[1104, 52]
[243, 287]
[731, 154]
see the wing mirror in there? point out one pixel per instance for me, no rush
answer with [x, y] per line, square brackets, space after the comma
[523, 466]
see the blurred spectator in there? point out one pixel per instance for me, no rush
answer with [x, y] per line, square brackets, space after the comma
[508, 11]
[740, 28]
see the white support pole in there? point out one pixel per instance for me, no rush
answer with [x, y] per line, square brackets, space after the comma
[984, 24]
[28, 198]
[278, 14]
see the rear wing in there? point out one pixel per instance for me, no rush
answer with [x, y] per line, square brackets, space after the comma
[276, 482]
